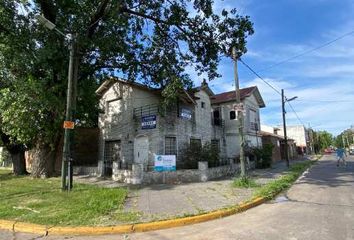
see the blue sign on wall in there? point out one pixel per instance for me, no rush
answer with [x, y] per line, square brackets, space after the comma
[148, 122]
[186, 114]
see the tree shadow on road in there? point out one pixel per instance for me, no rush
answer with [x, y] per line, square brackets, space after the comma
[327, 173]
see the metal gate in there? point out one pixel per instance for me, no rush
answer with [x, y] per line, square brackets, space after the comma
[112, 152]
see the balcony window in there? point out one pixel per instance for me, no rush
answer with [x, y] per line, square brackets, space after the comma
[232, 115]
[253, 123]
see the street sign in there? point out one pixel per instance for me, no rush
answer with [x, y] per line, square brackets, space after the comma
[69, 125]
[148, 122]
[165, 163]
[239, 107]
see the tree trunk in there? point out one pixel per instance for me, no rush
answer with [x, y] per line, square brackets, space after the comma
[43, 161]
[17, 152]
[19, 163]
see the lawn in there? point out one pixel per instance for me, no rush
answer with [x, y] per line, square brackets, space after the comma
[42, 201]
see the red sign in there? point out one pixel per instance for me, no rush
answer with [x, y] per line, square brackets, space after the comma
[69, 125]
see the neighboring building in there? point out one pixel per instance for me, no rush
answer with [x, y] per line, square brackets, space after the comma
[134, 125]
[224, 113]
[301, 136]
[270, 136]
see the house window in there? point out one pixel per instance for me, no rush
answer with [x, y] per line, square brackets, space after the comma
[196, 143]
[253, 120]
[232, 115]
[170, 146]
[215, 144]
[216, 117]
[203, 104]
[113, 107]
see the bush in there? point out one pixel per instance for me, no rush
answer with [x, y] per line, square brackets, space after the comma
[194, 153]
[264, 156]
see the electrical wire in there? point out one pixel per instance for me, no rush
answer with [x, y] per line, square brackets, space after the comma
[277, 91]
[255, 73]
[327, 101]
[297, 116]
[307, 51]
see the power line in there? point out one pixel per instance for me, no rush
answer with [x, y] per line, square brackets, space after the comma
[255, 73]
[307, 51]
[297, 116]
[327, 101]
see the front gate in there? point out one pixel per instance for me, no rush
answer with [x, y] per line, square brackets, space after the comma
[112, 153]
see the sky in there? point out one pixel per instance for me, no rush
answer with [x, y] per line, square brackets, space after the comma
[323, 80]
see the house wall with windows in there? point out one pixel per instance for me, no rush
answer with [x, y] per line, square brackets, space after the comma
[123, 139]
[135, 126]
[225, 106]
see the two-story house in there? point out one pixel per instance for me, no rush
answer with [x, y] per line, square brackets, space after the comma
[135, 125]
[223, 111]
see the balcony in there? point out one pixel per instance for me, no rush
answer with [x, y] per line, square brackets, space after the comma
[170, 113]
[217, 122]
[152, 109]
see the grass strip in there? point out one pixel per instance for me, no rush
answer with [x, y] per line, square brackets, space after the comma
[271, 189]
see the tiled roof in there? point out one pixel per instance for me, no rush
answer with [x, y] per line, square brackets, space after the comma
[231, 96]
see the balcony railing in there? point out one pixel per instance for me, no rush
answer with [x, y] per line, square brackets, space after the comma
[171, 112]
[218, 122]
[152, 109]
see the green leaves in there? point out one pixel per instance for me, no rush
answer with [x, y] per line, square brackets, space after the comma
[28, 112]
[147, 41]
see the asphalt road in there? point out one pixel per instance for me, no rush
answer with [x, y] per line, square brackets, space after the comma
[319, 206]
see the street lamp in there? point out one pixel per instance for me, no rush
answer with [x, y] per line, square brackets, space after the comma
[283, 100]
[66, 167]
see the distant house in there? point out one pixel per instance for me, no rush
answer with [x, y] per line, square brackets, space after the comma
[224, 113]
[135, 126]
[302, 136]
[270, 135]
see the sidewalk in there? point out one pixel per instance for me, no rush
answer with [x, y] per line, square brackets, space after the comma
[163, 201]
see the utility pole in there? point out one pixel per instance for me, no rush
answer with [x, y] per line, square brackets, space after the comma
[284, 127]
[239, 114]
[66, 171]
[66, 167]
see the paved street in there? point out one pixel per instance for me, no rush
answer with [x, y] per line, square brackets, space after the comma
[319, 206]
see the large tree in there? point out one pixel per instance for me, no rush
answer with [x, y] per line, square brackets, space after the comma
[147, 41]
[322, 140]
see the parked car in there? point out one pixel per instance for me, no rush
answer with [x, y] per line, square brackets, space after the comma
[329, 151]
[351, 150]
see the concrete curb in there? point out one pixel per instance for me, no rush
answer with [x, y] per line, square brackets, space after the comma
[129, 228]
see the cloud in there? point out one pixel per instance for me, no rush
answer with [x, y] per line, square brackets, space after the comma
[328, 105]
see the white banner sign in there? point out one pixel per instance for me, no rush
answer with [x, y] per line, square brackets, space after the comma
[165, 163]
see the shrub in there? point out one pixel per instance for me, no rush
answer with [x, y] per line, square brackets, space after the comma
[244, 182]
[264, 156]
[194, 153]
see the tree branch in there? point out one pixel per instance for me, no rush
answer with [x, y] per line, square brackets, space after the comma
[156, 20]
[96, 18]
